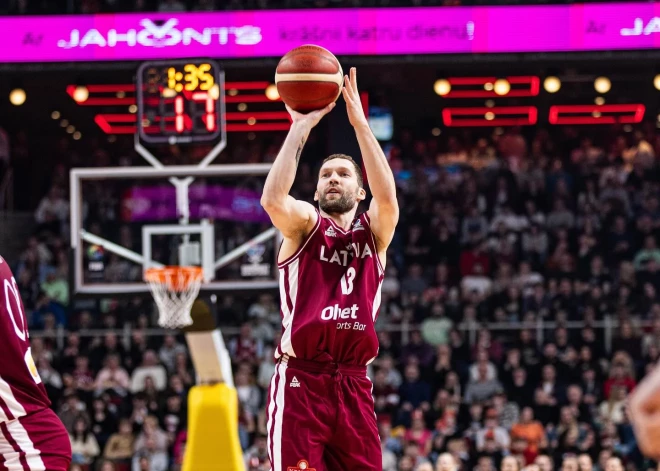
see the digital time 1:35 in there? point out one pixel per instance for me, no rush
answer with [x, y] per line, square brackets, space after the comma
[192, 78]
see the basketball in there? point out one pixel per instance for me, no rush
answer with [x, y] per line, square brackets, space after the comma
[309, 78]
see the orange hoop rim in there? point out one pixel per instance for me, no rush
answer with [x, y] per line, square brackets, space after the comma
[164, 275]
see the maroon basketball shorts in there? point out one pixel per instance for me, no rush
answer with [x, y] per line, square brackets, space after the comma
[36, 442]
[321, 417]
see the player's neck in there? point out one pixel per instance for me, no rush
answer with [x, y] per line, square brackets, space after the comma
[342, 220]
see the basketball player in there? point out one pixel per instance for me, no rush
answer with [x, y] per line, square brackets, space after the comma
[320, 408]
[644, 412]
[32, 437]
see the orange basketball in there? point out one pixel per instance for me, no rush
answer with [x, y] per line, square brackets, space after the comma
[309, 78]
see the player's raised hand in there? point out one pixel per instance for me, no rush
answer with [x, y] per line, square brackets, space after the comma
[352, 98]
[644, 412]
[310, 119]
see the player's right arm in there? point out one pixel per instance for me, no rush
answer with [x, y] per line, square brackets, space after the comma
[293, 218]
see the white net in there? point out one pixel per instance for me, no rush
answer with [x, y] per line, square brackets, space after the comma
[174, 289]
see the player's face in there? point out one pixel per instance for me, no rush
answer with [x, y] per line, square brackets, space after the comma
[337, 190]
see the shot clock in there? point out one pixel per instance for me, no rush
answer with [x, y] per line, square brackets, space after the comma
[180, 101]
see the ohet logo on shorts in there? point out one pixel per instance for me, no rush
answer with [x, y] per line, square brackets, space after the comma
[301, 466]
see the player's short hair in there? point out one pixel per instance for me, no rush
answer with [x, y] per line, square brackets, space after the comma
[358, 170]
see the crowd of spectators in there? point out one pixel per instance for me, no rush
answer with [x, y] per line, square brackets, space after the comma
[496, 229]
[41, 7]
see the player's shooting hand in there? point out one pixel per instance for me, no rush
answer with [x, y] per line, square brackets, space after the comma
[352, 98]
[310, 119]
[644, 412]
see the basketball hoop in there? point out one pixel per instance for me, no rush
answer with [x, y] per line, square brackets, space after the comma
[175, 290]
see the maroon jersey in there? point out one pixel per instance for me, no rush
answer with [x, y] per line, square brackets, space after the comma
[330, 295]
[21, 390]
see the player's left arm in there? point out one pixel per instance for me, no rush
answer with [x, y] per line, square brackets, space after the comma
[384, 209]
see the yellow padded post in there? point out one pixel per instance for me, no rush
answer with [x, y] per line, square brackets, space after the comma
[213, 443]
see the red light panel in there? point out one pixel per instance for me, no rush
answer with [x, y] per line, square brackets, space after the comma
[258, 115]
[125, 123]
[473, 87]
[109, 123]
[605, 114]
[105, 95]
[502, 116]
[253, 98]
[246, 85]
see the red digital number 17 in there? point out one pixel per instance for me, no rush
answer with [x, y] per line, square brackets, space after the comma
[208, 116]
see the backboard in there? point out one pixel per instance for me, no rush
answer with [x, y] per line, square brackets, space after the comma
[223, 219]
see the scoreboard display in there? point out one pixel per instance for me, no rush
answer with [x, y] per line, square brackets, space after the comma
[180, 101]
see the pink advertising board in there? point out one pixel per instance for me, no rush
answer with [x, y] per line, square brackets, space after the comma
[378, 31]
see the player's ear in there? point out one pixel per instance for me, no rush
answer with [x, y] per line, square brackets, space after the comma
[316, 195]
[362, 194]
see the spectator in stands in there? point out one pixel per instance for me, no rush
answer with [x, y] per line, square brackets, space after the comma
[614, 463]
[119, 448]
[510, 463]
[50, 378]
[84, 447]
[245, 348]
[83, 377]
[547, 395]
[109, 346]
[112, 378]
[53, 212]
[612, 409]
[248, 393]
[492, 437]
[150, 368]
[386, 397]
[482, 387]
[435, 329]
[482, 358]
[71, 409]
[183, 376]
[414, 392]
[531, 431]
[585, 462]
[168, 352]
[620, 375]
[418, 351]
[151, 445]
[485, 463]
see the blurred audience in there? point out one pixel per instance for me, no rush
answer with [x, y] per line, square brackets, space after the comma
[520, 309]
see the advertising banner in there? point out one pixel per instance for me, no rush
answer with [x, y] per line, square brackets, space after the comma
[373, 31]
